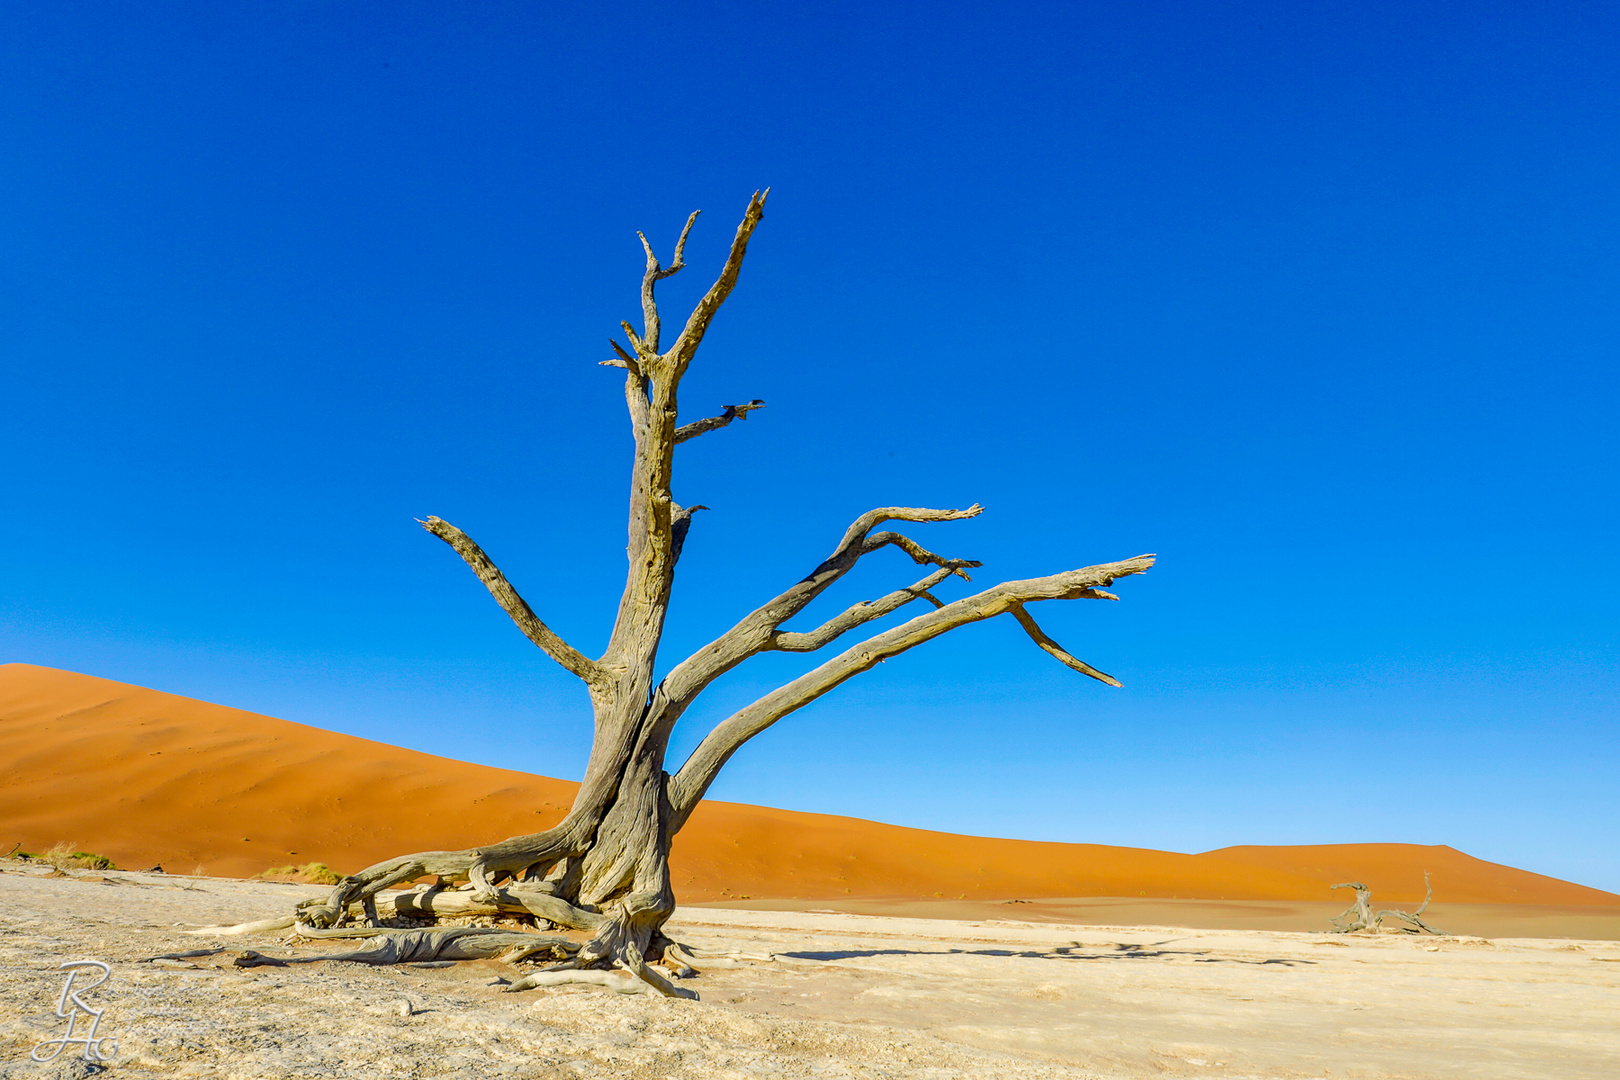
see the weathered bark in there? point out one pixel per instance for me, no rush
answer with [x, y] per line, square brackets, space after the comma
[1360, 916]
[604, 869]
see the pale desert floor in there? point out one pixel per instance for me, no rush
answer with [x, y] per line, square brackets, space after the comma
[847, 995]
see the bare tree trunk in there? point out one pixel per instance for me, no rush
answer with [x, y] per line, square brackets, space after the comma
[604, 870]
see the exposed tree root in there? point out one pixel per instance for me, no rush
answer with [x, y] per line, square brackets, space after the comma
[1360, 915]
[623, 940]
[426, 901]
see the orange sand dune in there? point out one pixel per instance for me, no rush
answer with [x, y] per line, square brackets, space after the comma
[150, 778]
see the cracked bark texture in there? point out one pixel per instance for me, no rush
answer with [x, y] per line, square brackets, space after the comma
[605, 868]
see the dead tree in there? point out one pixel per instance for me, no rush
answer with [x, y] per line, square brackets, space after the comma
[1360, 915]
[604, 870]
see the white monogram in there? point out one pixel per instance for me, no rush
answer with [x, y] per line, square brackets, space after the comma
[95, 1049]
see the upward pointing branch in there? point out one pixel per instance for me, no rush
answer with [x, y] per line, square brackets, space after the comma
[655, 273]
[652, 385]
[697, 324]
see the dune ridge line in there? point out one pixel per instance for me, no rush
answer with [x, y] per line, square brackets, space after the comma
[146, 777]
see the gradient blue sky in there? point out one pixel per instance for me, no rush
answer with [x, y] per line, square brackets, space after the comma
[1318, 304]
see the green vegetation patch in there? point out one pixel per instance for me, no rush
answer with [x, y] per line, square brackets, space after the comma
[313, 873]
[66, 857]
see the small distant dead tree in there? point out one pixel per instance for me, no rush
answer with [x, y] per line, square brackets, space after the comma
[604, 869]
[1360, 915]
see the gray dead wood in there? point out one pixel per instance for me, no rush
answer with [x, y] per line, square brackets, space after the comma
[703, 427]
[604, 869]
[1360, 916]
[424, 946]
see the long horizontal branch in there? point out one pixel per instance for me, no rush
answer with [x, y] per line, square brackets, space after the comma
[513, 604]
[688, 785]
[703, 427]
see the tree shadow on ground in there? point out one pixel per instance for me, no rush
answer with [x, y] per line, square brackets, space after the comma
[1076, 951]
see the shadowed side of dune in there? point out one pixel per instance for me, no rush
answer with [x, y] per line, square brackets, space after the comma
[147, 778]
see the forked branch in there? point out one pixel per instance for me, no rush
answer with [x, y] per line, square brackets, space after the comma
[513, 604]
[688, 786]
[919, 554]
[651, 394]
[655, 273]
[856, 534]
[754, 634]
[865, 611]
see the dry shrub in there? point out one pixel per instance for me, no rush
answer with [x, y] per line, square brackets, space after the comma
[311, 873]
[64, 857]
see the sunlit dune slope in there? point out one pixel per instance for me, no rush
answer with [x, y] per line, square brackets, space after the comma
[151, 778]
[1394, 872]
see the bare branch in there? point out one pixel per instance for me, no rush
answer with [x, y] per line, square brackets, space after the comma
[624, 360]
[637, 343]
[754, 633]
[703, 427]
[863, 612]
[697, 324]
[680, 247]
[873, 518]
[688, 786]
[1039, 637]
[919, 554]
[856, 543]
[652, 397]
[513, 604]
[656, 273]
[1414, 917]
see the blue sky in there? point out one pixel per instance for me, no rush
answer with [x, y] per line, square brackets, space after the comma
[1320, 305]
